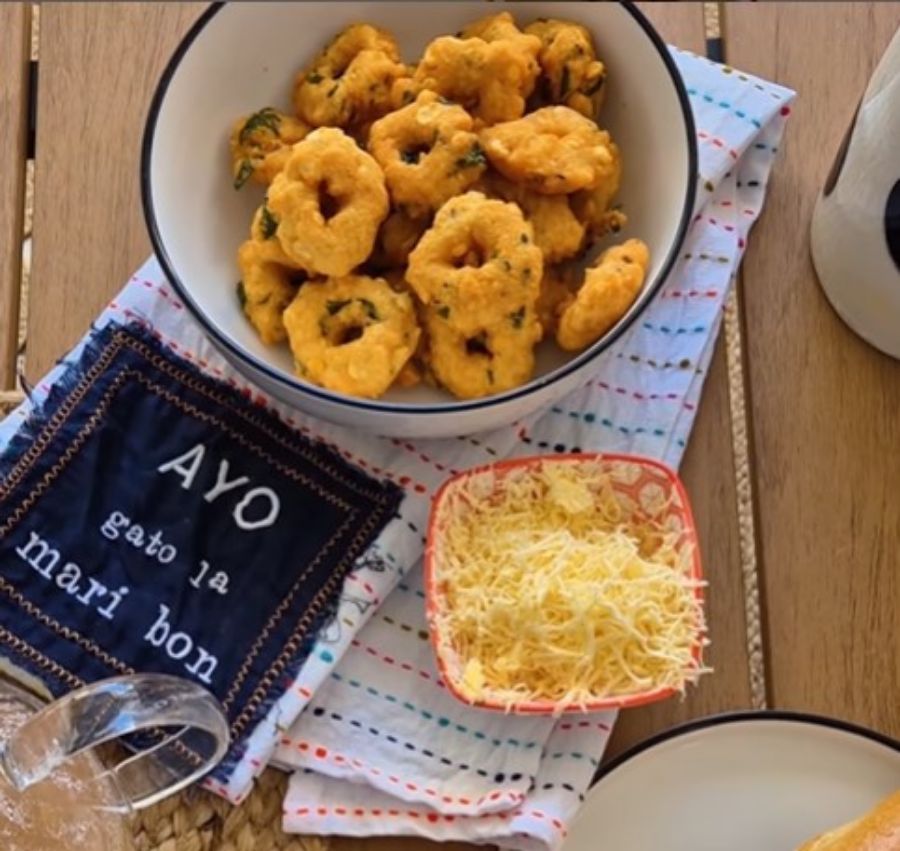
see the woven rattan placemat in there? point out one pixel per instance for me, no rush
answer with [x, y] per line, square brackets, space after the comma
[199, 821]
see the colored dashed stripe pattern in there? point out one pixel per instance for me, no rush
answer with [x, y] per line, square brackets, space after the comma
[412, 747]
[378, 813]
[712, 99]
[319, 752]
[442, 721]
[642, 399]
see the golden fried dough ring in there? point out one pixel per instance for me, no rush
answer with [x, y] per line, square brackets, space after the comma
[477, 259]
[571, 74]
[351, 334]
[491, 80]
[428, 152]
[350, 81]
[553, 151]
[557, 231]
[329, 202]
[266, 288]
[472, 238]
[609, 289]
[480, 361]
[261, 143]
[477, 270]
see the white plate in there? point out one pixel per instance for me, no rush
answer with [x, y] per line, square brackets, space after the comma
[754, 782]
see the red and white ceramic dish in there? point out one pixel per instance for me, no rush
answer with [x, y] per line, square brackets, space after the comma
[643, 486]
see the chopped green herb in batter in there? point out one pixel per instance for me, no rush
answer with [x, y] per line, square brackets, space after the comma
[268, 224]
[243, 174]
[475, 157]
[265, 119]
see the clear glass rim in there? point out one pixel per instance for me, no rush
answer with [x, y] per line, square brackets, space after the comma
[186, 722]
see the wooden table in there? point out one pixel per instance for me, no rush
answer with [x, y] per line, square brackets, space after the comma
[793, 466]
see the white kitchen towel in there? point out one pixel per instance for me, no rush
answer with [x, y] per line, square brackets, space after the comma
[642, 399]
[383, 748]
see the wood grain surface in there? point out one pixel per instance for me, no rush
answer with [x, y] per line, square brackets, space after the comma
[708, 473]
[15, 27]
[826, 407]
[99, 66]
[90, 236]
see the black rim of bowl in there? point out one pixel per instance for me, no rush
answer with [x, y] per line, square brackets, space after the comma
[287, 381]
[738, 717]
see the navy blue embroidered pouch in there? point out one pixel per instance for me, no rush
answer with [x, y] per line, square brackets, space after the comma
[154, 519]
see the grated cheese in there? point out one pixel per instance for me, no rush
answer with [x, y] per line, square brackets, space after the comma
[550, 592]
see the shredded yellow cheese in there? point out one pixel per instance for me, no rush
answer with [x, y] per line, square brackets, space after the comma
[551, 591]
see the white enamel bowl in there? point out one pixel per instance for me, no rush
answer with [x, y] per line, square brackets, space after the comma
[242, 56]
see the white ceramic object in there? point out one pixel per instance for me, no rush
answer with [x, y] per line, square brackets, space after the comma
[753, 782]
[242, 56]
[855, 237]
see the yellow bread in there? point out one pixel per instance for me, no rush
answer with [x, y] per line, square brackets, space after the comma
[876, 830]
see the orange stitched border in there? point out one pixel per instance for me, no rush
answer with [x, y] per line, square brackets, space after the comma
[204, 417]
[290, 647]
[301, 448]
[71, 450]
[25, 649]
[25, 506]
[58, 420]
[26, 462]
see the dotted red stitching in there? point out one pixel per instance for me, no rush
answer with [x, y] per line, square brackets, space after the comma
[691, 294]
[369, 589]
[321, 752]
[360, 812]
[409, 447]
[714, 222]
[152, 285]
[719, 143]
[390, 660]
[642, 397]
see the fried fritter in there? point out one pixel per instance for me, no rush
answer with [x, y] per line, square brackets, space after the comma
[328, 203]
[610, 287]
[351, 334]
[428, 151]
[571, 74]
[261, 143]
[554, 150]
